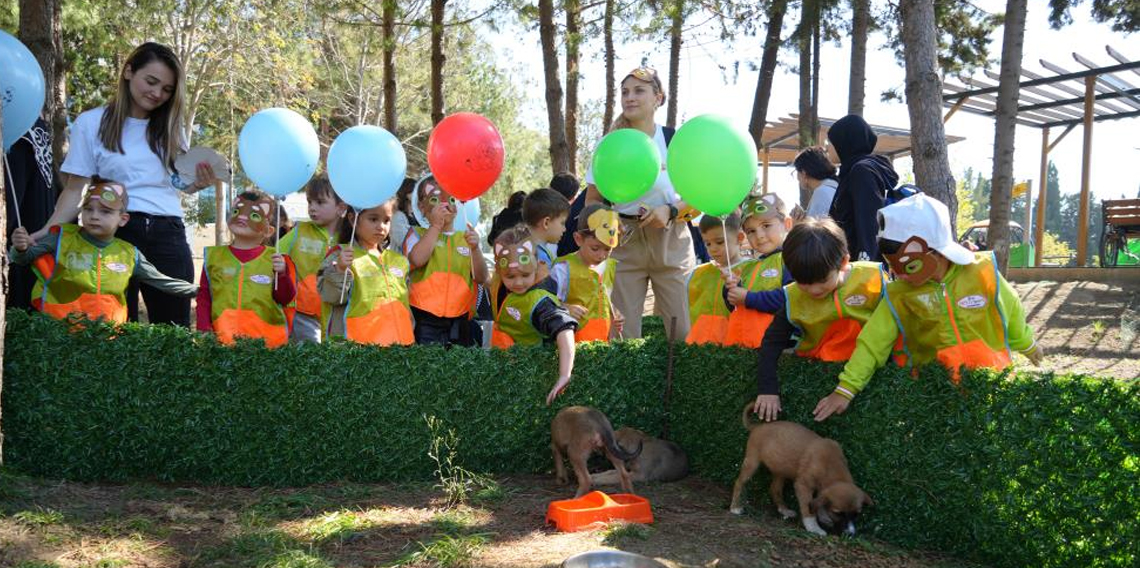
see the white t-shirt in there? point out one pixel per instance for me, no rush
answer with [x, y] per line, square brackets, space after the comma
[820, 204]
[138, 168]
[662, 192]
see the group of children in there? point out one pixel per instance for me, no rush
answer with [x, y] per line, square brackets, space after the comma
[335, 276]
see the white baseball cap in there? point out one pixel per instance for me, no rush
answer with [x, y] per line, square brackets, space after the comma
[927, 218]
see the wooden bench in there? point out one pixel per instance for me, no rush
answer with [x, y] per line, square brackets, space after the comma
[1121, 222]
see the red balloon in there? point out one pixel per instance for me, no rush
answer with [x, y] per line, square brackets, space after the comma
[465, 154]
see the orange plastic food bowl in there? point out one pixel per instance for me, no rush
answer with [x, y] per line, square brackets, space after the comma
[595, 509]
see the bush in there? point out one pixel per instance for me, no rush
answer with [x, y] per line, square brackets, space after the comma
[1010, 470]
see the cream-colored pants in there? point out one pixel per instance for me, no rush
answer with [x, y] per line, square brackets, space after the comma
[663, 257]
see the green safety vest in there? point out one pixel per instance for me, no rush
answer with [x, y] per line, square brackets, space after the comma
[83, 278]
[445, 286]
[307, 245]
[241, 297]
[377, 305]
[591, 290]
[746, 327]
[512, 322]
[708, 314]
[829, 326]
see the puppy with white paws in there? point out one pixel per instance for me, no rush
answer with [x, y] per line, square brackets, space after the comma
[828, 499]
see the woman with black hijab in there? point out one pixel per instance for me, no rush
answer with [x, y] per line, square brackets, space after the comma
[864, 179]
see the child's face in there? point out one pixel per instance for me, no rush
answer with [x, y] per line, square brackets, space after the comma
[766, 233]
[250, 219]
[101, 220]
[432, 196]
[550, 229]
[373, 225]
[824, 288]
[516, 280]
[324, 210]
[722, 252]
[592, 251]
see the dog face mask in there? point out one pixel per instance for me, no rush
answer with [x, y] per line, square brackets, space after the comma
[435, 196]
[255, 212]
[766, 205]
[603, 224]
[110, 194]
[915, 259]
[518, 256]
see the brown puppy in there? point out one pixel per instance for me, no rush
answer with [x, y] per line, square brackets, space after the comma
[660, 460]
[575, 433]
[816, 465]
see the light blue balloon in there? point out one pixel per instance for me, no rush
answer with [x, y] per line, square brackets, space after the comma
[366, 166]
[279, 150]
[21, 88]
[468, 211]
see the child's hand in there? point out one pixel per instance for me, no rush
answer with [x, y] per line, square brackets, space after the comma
[441, 216]
[1036, 356]
[736, 295]
[22, 240]
[619, 322]
[767, 406]
[830, 404]
[279, 263]
[560, 386]
[577, 312]
[731, 280]
[472, 237]
[344, 259]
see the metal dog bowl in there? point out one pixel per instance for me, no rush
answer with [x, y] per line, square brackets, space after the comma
[610, 559]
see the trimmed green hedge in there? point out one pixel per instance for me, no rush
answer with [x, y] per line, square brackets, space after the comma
[1018, 471]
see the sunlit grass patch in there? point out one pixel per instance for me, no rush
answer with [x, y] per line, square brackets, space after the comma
[447, 551]
[40, 517]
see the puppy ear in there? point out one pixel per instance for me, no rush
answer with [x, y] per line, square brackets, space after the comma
[867, 501]
[817, 504]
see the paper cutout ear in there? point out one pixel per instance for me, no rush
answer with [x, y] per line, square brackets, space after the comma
[529, 246]
[915, 258]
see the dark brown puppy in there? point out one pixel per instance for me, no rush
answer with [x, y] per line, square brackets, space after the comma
[574, 434]
[826, 493]
[660, 460]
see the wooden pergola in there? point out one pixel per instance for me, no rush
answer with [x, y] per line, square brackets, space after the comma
[781, 142]
[1062, 100]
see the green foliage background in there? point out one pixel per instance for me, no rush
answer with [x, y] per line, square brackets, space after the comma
[1010, 470]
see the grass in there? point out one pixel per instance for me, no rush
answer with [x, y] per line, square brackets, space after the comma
[338, 525]
[1098, 328]
[454, 521]
[296, 559]
[447, 551]
[615, 533]
[40, 517]
[36, 564]
[258, 549]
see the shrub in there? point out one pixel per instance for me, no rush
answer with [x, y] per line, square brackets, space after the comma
[1012, 470]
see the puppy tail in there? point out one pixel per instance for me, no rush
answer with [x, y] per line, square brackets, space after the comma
[744, 416]
[614, 448]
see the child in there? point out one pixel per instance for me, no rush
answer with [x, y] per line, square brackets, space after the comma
[530, 313]
[307, 244]
[447, 268]
[948, 304]
[708, 309]
[246, 286]
[757, 293]
[545, 212]
[827, 306]
[372, 307]
[85, 270]
[585, 278]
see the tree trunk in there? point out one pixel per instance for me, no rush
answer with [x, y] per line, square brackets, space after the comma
[768, 60]
[559, 150]
[611, 88]
[807, 132]
[41, 29]
[437, 60]
[678, 19]
[573, 39]
[388, 31]
[860, 27]
[815, 40]
[1005, 128]
[3, 277]
[924, 103]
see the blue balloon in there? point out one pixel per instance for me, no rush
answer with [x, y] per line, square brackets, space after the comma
[279, 150]
[366, 166]
[21, 88]
[468, 210]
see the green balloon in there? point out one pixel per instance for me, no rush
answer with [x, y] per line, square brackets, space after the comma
[712, 164]
[626, 165]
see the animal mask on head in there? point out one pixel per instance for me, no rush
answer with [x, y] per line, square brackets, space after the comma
[256, 211]
[766, 205]
[603, 224]
[111, 194]
[914, 258]
[434, 196]
[517, 256]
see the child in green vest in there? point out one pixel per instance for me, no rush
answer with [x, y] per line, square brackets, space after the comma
[530, 312]
[947, 304]
[84, 269]
[709, 309]
[545, 212]
[247, 286]
[827, 305]
[364, 285]
[585, 278]
[307, 243]
[757, 292]
[447, 268]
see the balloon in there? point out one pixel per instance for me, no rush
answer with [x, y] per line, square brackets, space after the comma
[626, 165]
[279, 150]
[366, 166]
[21, 88]
[465, 153]
[712, 164]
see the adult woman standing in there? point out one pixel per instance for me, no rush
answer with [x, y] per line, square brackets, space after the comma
[134, 140]
[656, 246]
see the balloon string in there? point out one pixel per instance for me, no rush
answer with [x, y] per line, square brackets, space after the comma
[351, 243]
[12, 186]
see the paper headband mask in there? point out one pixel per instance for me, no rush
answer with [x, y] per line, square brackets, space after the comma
[914, 258]
[766, 205]
[111, 194]
[256, 212]
[519, 256]
[603, 224]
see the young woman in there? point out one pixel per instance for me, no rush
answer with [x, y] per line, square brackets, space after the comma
[134, 140]
[657, 247]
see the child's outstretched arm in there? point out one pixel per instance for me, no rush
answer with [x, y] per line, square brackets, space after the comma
[146, 273]
[1020, 334]
[478, 265]
[768, 301]
[872, 349]
[565, 341]
[552, 320]
[777, 338]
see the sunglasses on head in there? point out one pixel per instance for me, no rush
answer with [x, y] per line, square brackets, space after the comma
[647, 74]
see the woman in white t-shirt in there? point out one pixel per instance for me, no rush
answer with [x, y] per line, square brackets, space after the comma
[134, 140]
[656, 246]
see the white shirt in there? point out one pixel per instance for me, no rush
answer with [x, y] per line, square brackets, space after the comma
[821, 198]
[662, 192]
[138, 168]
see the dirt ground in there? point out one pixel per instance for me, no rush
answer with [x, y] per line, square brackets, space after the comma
[62, 524]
